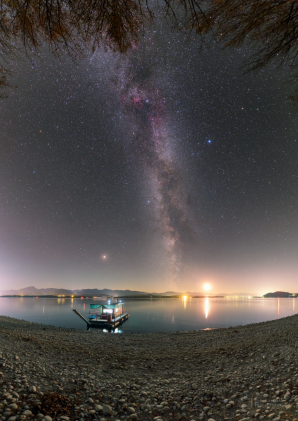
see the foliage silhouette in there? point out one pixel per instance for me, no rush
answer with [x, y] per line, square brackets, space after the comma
[72, 26]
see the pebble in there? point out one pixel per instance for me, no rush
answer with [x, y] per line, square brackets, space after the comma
[106, 409]
[27, 412]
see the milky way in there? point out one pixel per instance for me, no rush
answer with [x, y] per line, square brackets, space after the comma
[151, 143]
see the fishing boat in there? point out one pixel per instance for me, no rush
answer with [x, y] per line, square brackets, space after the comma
[108, 315]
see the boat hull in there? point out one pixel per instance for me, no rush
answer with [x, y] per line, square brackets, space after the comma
[111, 325]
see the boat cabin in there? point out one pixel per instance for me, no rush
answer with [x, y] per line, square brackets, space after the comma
[106, 312]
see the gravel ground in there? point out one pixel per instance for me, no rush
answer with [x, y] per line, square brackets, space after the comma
[243, 372]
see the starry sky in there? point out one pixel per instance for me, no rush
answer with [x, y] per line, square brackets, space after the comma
[158, 170]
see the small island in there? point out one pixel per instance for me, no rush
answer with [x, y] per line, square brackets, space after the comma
[280, 294]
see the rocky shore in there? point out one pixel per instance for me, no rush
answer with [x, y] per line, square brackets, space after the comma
[238, 373]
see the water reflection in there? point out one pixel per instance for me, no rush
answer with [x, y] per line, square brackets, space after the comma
[154, 315]
[116, 330]
[206, 307]
[60, 300]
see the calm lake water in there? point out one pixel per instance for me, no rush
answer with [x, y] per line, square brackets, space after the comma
[156, 315]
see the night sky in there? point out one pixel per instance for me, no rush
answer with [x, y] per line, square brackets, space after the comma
[158, 170]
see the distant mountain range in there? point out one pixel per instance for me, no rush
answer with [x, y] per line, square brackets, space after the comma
[101, 292]
[60, 291]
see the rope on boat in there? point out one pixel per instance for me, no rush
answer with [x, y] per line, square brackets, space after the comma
[80, 315]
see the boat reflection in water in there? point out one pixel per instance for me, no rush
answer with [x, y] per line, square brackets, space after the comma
[116, 330]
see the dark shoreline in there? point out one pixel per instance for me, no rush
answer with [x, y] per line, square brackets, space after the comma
[128, 297]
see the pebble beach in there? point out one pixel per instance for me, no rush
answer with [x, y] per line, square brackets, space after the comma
[237, 373]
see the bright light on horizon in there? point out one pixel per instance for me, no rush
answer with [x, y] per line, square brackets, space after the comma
[207, 287]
